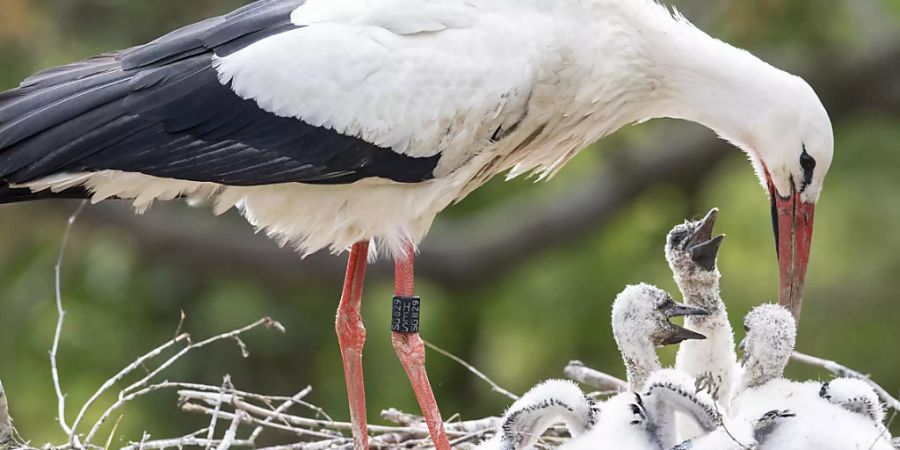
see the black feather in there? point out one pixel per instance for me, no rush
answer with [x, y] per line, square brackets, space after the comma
[160, 109]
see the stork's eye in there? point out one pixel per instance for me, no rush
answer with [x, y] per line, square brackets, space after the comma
[746, 328]
[807, 162]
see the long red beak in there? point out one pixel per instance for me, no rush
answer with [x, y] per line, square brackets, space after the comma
[792, 219]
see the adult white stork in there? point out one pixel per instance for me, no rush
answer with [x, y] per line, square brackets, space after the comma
[335, 123]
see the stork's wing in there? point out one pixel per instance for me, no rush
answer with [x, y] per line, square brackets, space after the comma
[253, 98]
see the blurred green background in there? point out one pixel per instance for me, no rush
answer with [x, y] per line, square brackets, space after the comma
[518, 318]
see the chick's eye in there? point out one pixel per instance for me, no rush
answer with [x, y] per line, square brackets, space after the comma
[746, 329]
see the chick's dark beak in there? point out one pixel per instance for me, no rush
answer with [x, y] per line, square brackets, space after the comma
[703, 247]
[681, 310]
[705, 254]
[704, 230]
[677, 333]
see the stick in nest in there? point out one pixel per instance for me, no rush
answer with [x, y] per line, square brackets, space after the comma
[6, 428]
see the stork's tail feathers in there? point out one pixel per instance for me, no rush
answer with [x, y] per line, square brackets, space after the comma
[52, 112]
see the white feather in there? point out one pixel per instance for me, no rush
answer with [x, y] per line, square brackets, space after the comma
[446, 76]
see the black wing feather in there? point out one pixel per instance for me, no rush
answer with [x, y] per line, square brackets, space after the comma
[159, 109]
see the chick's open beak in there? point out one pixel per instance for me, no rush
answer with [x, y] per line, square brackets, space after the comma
[703, 247]
[678, 333]
[704, 229]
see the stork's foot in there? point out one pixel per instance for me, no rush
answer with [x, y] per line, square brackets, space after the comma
[691, 247]
[411, 350]
[351, 337]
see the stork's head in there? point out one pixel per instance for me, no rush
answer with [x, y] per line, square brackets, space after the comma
[791, 145]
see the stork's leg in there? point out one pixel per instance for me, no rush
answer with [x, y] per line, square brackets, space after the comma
[410, 348]
[352, 336]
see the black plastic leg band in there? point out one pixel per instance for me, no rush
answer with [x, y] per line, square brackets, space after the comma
[405, 315]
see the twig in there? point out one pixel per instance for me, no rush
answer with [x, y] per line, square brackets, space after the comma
[118, 404]
[321, 445]
[844, 371]
[6, 428]
[885, 432]
[215, 415]
[61, 314]
[402, 418]
[193, 407]
[577, 371]
[260, 397]
[112, 432]
[260, 416]
[280, 409]
[469, 437]
[130, 392]
[468, 426]
[125, 372]
[265, 321]
[230, 434]
[494, 386]
[186, 441]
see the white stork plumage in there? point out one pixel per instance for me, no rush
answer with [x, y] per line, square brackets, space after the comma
[333, 123]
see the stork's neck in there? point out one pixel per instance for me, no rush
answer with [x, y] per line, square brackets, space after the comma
[640, 358]
[758, 372]
[700, 288]
[707, 81]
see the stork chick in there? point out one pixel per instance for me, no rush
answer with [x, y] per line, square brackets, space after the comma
[675, 389]
[819, 423]
[536, 411]
[855, 396]
[639, 420]
[691, 252]
[640, 322]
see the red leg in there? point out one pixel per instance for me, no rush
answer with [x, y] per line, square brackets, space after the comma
[411, 351]
[352, 336]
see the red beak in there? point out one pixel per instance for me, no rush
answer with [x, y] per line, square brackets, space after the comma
[792, 219]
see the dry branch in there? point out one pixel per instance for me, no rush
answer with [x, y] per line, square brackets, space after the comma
[577, 371]
[61, 314]
[6, 428]
[494, 386]
[141, 388]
